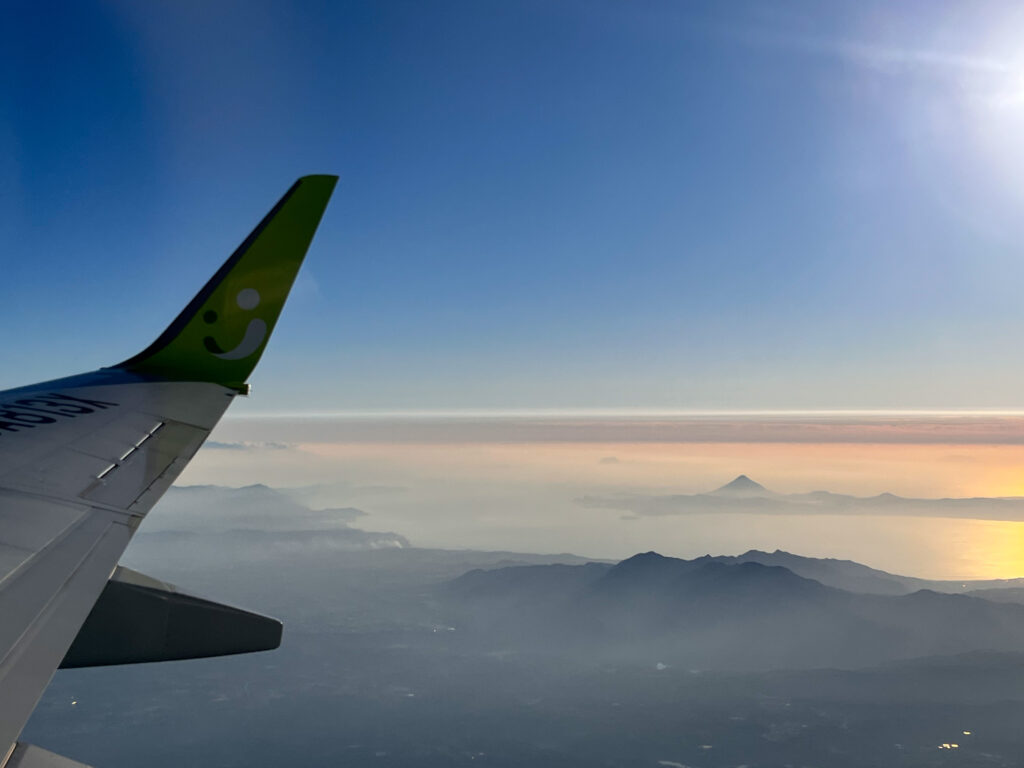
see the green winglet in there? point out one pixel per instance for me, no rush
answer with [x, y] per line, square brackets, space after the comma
[221, 334]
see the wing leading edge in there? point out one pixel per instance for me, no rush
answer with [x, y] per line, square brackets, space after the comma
[83, 459]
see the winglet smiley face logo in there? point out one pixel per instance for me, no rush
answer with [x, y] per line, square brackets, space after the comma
[255, 332]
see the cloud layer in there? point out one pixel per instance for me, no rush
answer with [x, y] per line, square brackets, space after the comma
[743, 496]
[896, 427]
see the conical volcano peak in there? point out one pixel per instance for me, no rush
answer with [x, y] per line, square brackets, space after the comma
[742, 486]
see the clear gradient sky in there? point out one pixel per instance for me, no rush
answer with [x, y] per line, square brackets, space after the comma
[556, 206]
[542, 205]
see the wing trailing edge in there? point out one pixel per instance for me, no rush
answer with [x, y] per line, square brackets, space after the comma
[30, 756]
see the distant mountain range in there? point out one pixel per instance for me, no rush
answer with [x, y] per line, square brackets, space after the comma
[258, 518]
[855, 577]
[744, 495]
[751, 611]
[741, 612]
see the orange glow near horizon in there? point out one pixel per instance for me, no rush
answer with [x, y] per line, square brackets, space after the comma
[923, 471]
[522, 496]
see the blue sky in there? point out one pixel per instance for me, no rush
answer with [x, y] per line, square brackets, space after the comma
[541, 205]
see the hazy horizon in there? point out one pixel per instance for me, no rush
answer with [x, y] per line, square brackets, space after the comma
[516, 482]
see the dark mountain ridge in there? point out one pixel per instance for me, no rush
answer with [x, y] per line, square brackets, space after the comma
[719, 613]
[855, 577]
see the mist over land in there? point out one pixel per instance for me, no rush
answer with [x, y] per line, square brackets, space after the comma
[396, 655]
[723, 613]
[609, 485]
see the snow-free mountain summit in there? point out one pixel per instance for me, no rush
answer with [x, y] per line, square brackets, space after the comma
[742, 486]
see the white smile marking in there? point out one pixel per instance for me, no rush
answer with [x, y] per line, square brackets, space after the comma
[255, 332]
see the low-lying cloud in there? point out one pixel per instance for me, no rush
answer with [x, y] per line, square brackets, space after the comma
[247, 446]
[743, 496]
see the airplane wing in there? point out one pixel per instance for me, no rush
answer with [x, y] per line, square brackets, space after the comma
[84, 459]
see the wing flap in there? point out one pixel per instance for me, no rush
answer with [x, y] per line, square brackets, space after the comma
[127, 477]
[29, 522]
[113, 458]
[64, 473]
[45, 606]
[27, 525]
[119, 436]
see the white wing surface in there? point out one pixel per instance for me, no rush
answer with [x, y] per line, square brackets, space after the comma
[84, 459]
